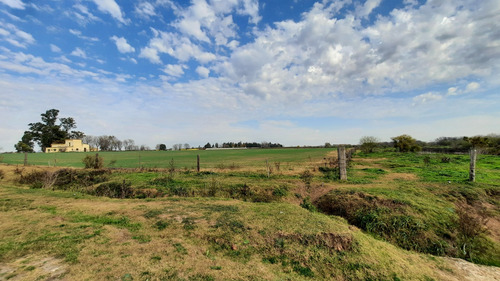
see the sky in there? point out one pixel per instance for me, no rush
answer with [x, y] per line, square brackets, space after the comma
[297, 72]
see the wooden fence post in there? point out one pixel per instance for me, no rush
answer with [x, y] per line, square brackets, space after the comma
[472, 170]
[342, 163]
[198, 163]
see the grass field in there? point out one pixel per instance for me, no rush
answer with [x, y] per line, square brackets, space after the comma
[397, 217]
[182, 159]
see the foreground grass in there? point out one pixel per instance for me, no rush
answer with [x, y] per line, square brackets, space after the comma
[194, 239]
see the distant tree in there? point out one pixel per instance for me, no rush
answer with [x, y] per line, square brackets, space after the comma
[48, 131]
[406, 143]
[368, 143]
[161, 146]
[187, 146]
[477, 141]
[23, 147]
[129, 144]
[208, 145]
[328, 145]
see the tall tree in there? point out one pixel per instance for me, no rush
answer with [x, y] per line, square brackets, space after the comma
[48, 131]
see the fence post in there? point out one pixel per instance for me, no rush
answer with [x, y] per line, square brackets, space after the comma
[198, 163]
[472, 170]
[342, 163]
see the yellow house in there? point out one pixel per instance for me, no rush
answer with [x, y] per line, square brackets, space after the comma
[69, 146]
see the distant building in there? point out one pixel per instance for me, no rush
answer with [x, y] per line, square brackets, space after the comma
[69, 146]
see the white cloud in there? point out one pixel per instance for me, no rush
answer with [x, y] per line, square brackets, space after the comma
[212, 22]
[365, 10]
[15, 4]
[151, 54]
[79, 34]
[176, 46]
[79, 53]
[122, 45]
[112, 8]
[54, 48]
[453, 91]
[83, 15]
[426, 98]
[15, 36]
[471, 87]
[176, 70]
[145, 9]
[203, 71]
[412, 48]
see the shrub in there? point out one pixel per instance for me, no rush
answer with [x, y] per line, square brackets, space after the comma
[307, 204]
[280, 191]
[368, 143]
[306, 177]
[115, 190]
[93, 162]
[471, 229]
[2, 174]
[406, 143]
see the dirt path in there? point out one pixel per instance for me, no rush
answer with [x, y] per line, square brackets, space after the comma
[465, 271]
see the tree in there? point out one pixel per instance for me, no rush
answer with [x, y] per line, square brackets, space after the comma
[368, 143]
[161, 146]
[47, 132]
[406, 143]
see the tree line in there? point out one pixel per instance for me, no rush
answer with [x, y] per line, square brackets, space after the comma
[112, 143]
[489, 144]
[240, 144]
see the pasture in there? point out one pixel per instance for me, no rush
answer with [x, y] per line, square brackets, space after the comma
[247, 158]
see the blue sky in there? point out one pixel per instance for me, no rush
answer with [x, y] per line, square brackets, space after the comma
[293, 72]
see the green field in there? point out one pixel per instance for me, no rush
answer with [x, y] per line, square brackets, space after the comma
[185, 159]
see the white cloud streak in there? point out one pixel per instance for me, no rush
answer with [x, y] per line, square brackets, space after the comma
[122, 45]
[15, 4]
[112, 8]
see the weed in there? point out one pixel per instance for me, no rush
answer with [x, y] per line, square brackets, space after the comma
[216, 267]
[307, 204]
[281, 191]
[156, 258]
[161, 225]
[152, 214]
[179, 248]
[188, 223]
[303, 270]
[142, 238]
[306, 177]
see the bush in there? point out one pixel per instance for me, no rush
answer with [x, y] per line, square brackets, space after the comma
[115, 190]
[93, 162]
[306, 177]
[280, 191]
[368, 144]
[406, 143]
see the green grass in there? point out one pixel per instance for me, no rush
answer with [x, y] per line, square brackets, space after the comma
[288, 158]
